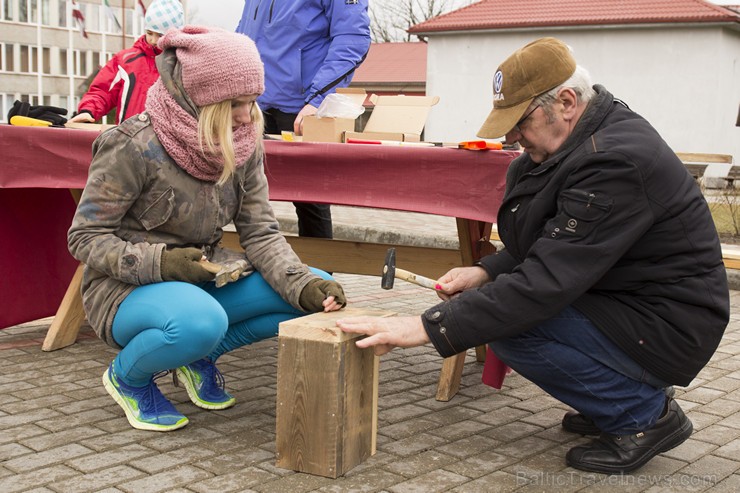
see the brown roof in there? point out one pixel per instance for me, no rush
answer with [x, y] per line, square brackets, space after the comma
[507, 14]
[393, 62]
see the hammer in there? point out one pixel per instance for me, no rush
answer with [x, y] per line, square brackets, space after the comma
[224, 275]
[391, 272]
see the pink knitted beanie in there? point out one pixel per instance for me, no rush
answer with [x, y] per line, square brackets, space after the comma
[216, 64]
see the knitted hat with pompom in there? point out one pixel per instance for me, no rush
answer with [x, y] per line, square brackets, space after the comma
[216, 64]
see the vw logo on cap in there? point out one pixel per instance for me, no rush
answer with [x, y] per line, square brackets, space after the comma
[498, 80]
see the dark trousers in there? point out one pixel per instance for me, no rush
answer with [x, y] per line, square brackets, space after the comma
[573, 361]
[314, 220]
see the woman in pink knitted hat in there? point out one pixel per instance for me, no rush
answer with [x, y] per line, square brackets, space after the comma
[160, 189]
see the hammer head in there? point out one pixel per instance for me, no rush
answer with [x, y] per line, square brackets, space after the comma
[389, 269]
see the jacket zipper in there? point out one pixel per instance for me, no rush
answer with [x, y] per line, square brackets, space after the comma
[269, 17]
[333, 83]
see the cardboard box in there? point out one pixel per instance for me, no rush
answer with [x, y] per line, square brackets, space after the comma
[332, 129]
[399, 118]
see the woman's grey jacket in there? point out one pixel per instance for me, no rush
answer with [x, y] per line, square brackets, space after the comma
[138, 202]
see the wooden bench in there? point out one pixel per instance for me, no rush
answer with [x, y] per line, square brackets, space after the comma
[732, 175]
[697, 163]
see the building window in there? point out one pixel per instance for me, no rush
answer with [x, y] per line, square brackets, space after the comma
[45, 11]
[29, 60]
[129, 21]
[31, 99]
[62, 7]
[80, 64]
[92, 18]
[6, 102]
[7, 13]
[33, 11]
[28, 11]
[63, 70]
[46, 60]
[6, 57]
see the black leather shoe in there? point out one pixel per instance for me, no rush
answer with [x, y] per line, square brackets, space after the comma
[619, 454]
[576, 422]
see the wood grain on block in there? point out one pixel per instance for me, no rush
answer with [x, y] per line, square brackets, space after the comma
[327, 395]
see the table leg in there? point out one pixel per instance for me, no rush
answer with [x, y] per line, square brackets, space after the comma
[450, 376]
[70, 315]
[474, 239]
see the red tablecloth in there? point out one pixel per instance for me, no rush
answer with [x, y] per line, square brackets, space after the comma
[39, 165]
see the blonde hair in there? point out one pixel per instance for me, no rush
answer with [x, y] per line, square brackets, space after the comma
[214, 130]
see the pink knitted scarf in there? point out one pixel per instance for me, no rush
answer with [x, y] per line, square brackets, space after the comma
[178, 132]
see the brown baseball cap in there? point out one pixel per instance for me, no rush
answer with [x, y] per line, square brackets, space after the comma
[530, 71]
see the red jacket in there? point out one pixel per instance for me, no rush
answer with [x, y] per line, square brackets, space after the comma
[123, 82]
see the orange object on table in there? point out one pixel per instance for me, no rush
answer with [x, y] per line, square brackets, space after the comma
[480, 145]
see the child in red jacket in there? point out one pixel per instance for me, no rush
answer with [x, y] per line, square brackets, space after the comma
[126, 78]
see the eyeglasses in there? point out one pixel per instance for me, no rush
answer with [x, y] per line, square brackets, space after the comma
[518, 127]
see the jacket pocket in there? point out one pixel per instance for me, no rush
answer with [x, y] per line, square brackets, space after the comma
[157, 208]
[586, 206]
[580, 213]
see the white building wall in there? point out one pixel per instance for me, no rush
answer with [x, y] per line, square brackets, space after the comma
[685, 81]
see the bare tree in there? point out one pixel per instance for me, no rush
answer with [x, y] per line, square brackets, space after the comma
[390, 19]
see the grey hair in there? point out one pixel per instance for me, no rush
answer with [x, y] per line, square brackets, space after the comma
[581, 84]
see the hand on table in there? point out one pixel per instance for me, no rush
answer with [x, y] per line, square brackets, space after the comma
[307, 110]
[385, 334]
[459, 279]
[83, 117]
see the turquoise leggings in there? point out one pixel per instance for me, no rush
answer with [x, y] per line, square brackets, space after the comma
[170, 324]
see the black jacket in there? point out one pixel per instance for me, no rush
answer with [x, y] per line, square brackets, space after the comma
[614, 225]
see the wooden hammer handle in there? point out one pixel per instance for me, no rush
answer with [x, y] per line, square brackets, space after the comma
[416, 279]
[210, 266]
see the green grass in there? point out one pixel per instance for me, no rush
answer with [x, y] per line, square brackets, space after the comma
[725, 208]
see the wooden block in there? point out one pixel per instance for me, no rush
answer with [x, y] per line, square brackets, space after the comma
[327, 395]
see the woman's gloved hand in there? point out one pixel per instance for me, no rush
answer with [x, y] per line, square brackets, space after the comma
[317, 290]
[183, 264]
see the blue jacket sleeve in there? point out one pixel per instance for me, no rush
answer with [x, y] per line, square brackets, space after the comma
[350, 41]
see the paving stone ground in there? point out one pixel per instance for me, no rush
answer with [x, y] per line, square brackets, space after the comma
[60, 431]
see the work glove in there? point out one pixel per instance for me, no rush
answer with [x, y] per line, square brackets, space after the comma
[52, 114]
[317, 290]
[183, 264]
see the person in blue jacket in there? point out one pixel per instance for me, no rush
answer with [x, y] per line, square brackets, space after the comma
[309, 49]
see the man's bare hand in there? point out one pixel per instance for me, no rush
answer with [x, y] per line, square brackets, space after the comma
[298, 123]
[385, 334]
[460, 279]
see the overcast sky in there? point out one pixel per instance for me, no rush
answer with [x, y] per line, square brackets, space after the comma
[228, 12]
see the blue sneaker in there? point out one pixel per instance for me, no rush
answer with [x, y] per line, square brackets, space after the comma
[205, 385]
[145, 407]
